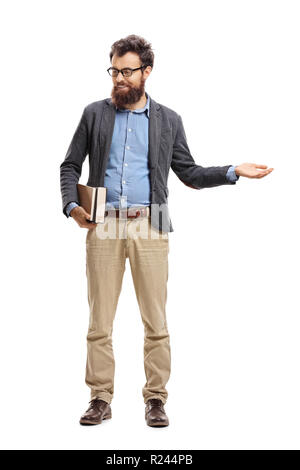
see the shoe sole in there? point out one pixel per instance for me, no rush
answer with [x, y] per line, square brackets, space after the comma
[87, 421]
[158, 425]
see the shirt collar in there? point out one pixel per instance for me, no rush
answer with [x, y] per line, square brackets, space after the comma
[146, 108]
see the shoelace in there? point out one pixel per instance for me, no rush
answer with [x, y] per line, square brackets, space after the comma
[156, 402]
[96, 403]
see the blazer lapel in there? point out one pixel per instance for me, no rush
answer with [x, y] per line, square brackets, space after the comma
[154, 138]
[106, 133]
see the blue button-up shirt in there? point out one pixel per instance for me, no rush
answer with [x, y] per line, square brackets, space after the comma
[127, 176]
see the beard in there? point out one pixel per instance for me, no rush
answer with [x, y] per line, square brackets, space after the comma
[126, 96]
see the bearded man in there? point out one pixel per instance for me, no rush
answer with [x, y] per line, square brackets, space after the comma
[132, 142]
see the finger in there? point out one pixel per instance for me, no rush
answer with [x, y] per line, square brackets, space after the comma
[265, 172]
[261, 166]
[83, 223]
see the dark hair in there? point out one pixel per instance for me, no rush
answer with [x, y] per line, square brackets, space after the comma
[133, 43]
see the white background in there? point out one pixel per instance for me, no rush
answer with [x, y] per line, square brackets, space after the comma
[231, 70]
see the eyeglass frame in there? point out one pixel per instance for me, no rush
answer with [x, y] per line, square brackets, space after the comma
[125, 68]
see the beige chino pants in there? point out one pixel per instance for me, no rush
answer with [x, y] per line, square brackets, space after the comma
[107, 248]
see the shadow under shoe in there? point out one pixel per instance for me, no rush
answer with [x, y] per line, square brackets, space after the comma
[98, 411]
[155, 414]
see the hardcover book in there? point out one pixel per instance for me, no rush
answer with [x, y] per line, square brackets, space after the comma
[93, 200]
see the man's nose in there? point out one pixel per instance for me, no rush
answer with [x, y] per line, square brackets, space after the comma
[120, 77]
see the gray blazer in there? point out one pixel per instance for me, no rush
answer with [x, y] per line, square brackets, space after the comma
[167, 148]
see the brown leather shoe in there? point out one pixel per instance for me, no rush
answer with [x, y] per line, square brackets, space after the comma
[96, 412]
[155, 414]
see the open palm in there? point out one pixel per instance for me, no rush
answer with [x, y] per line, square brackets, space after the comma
[253, 170]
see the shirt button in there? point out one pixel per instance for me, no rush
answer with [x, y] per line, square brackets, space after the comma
[126, 164]
[129, 129]
[124, 181]
[128, 147]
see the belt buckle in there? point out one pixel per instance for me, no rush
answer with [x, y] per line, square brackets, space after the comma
[135, 215]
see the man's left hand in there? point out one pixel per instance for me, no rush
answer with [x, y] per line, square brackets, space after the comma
[252, 170]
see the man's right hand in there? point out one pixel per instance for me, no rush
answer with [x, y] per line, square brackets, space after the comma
[80, 215]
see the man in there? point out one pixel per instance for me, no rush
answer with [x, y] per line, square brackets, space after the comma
[132, 142]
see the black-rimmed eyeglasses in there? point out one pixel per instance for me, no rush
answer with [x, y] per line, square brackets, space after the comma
[127, 72]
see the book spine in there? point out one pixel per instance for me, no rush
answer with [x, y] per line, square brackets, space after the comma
[95, 204]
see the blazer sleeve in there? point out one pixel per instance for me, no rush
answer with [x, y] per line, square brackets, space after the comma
[191, 174]
[71, 167]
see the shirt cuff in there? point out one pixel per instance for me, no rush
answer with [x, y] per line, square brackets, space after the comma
[69, 207]
[231, 175]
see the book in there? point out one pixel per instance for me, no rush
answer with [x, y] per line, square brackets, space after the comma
[93, 200]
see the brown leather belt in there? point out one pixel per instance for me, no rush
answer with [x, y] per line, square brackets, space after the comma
[129, 213]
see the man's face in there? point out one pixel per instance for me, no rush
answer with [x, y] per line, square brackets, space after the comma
[128, 90]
